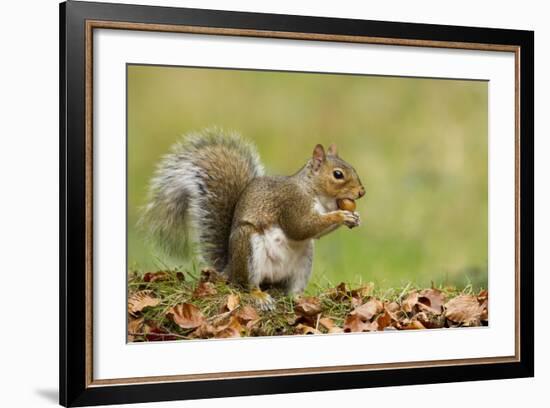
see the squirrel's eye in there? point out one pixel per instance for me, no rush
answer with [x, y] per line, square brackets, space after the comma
[338, 174]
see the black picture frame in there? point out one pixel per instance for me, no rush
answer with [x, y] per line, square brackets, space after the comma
[75, 387]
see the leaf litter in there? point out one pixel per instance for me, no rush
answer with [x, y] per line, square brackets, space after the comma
[174, 305]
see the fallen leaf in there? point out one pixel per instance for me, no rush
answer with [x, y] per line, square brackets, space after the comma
[368, 310]
[220, 320]
[431, 300]
[232, 301]
[156, 276]
[303, 329]
[414, 325]
[204, 331]
[430, 320]
[408, 304]
[354, 323]
[228, 332]
[140, 300]
[211, 275]
[252, 324]
[327, 323]
[483, 299]
[155, 333]
[232, 329]
[186, 315]
[356, 302]
[393, 307]
[134, 326]
[340, 292]
[361, 292]
[464, 309]
[371, 326]
[246, 313]
[335, 329]
[204, 289]
[384, 320]
[307, 306]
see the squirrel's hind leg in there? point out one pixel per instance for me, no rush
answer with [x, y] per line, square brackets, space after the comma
[240, 268]
[299, 278]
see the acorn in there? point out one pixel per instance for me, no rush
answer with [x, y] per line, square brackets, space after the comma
[346, 204]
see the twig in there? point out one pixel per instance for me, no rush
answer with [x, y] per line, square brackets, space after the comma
[158, 334]
[222, 316]
[317, 323]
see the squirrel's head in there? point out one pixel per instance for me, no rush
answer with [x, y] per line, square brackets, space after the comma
[333, 176]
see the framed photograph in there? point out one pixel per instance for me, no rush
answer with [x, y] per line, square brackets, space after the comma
[256, 203]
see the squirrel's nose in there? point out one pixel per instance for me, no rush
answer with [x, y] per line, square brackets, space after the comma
[361, 192]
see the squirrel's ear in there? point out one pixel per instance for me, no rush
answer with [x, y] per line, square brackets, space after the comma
[318, 156]
[332, 150]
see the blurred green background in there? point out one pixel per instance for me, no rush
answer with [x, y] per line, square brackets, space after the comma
[419, 146]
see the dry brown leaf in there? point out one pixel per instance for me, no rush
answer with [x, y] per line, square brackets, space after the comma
[155, 333]
[232, 301]
[303, 329]
[368, 310]
[413, 325]
[394, 310]
[327, 323]
[340, 292]
[307, 306]
[204, 289]
[156, 276]
[335, 329]
[371, 326]
[430, 320]
[140, 300]
[134, 326]
[232, 329]
[409, 303]
[483, 299]
[211, 275]
[431, 300]
[246, 314]
[204, 331]
[252, 324]
[220, 320]
[356, 302]
[361, 292]
[186, 316]
[392, 307]
[297, 319]
[228, 332]
[354, 323]
[484, 312]
[384, 320]
[464, 309]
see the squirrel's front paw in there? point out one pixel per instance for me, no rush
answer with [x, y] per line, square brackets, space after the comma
[263, 300]
[351, 219]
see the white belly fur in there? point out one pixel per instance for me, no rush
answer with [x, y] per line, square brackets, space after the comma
[275, 258]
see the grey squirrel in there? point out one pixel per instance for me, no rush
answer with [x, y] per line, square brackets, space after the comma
[257, 230]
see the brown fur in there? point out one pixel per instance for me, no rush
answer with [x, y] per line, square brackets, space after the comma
[213, 185]
[288, 202]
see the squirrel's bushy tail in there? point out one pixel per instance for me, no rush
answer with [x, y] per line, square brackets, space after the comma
[194, 191]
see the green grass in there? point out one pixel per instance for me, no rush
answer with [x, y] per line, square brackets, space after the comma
[419, 146]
